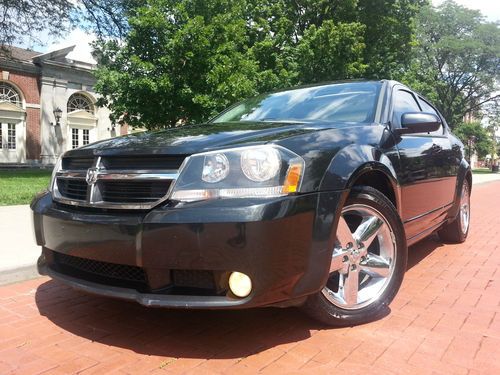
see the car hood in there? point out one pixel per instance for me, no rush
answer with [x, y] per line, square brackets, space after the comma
[191, 139]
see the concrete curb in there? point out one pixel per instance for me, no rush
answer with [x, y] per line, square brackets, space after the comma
[19, 274]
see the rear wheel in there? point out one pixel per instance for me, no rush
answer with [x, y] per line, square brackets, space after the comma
[368, 262]
[458, 229]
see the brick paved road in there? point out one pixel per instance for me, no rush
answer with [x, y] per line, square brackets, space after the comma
[445, 319]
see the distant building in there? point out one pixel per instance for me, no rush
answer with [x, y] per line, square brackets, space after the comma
[33, 86]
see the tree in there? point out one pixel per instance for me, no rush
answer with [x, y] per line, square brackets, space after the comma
[107, 18]
[331, 50]
[23, 20]
[493, 117]
[457, 59]
[389, 35]
[181, 61]
[475, 138]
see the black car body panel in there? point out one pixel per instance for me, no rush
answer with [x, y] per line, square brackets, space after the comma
[284, 244]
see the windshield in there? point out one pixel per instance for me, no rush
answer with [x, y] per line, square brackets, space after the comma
[341, 102]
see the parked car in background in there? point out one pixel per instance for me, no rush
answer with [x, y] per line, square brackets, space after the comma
[304, 197]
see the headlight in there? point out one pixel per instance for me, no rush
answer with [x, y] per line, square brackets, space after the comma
[56, 169]
[245, 172]
[260, 164]
[215, 168]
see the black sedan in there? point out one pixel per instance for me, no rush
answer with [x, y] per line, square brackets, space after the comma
[305, 197]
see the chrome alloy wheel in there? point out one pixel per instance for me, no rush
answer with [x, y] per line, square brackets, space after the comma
[363, 259]
[465, 208]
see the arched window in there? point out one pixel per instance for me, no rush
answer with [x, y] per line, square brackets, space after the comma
[78, 102]
[9, 94]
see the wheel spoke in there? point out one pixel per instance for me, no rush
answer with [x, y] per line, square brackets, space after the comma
[351, 285]
[368, 230]
[344, 235]
[337, 261]
[376, 266]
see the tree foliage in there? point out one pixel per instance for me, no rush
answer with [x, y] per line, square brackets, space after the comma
[181, 61]
[475, 138]
[457, 60]
[24, 20]
[389, 36]
[106, 18]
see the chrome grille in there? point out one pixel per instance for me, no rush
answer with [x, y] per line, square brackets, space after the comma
[116, 182]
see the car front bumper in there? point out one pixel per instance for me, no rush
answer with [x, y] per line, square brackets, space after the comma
[283, 244]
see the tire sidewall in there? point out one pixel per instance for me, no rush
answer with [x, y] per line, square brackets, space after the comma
[335, 315]
[464, 235]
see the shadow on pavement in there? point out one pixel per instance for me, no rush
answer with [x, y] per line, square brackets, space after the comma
[171, 333]
[422, 249]
[183, 333]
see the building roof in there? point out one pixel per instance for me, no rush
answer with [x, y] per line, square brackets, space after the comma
[31, 61]
[20, 54]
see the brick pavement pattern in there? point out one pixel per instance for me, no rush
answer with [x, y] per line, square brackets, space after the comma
[445, 320]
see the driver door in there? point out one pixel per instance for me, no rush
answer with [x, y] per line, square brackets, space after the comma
[428, 169]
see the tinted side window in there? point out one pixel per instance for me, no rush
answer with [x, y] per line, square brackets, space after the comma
[426, 107]
[404, 101]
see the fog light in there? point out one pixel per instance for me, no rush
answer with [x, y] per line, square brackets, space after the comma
[240, 284]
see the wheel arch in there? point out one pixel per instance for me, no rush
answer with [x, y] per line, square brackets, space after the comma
[464, 174]
[377, 179]
[363, 165]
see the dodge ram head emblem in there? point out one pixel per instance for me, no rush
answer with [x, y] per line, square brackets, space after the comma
[92, 174]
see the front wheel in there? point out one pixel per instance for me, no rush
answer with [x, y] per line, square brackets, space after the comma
[368, 262]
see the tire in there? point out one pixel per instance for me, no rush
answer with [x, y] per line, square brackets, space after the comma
[368, 262]
[458, 230]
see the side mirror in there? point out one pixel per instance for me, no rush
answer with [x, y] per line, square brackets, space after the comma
[418, 122]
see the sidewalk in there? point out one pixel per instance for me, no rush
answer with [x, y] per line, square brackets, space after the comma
[484, 178]
[19, 253]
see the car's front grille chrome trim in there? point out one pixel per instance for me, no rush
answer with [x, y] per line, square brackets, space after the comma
[97, 176]
[122, 175]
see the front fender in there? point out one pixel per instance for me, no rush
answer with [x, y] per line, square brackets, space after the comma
[353, 161]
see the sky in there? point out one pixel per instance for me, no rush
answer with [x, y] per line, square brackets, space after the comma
[489, 8]
[81, 39]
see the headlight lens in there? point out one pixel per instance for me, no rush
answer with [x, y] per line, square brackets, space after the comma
[215, 168]
[260, 164]
[246, 172]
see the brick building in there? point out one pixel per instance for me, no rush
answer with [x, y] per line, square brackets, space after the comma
[37, 88]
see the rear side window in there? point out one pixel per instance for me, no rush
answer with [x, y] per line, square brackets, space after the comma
[404, 101]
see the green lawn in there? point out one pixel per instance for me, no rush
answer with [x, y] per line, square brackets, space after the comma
[481, 171]
[19, 186]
